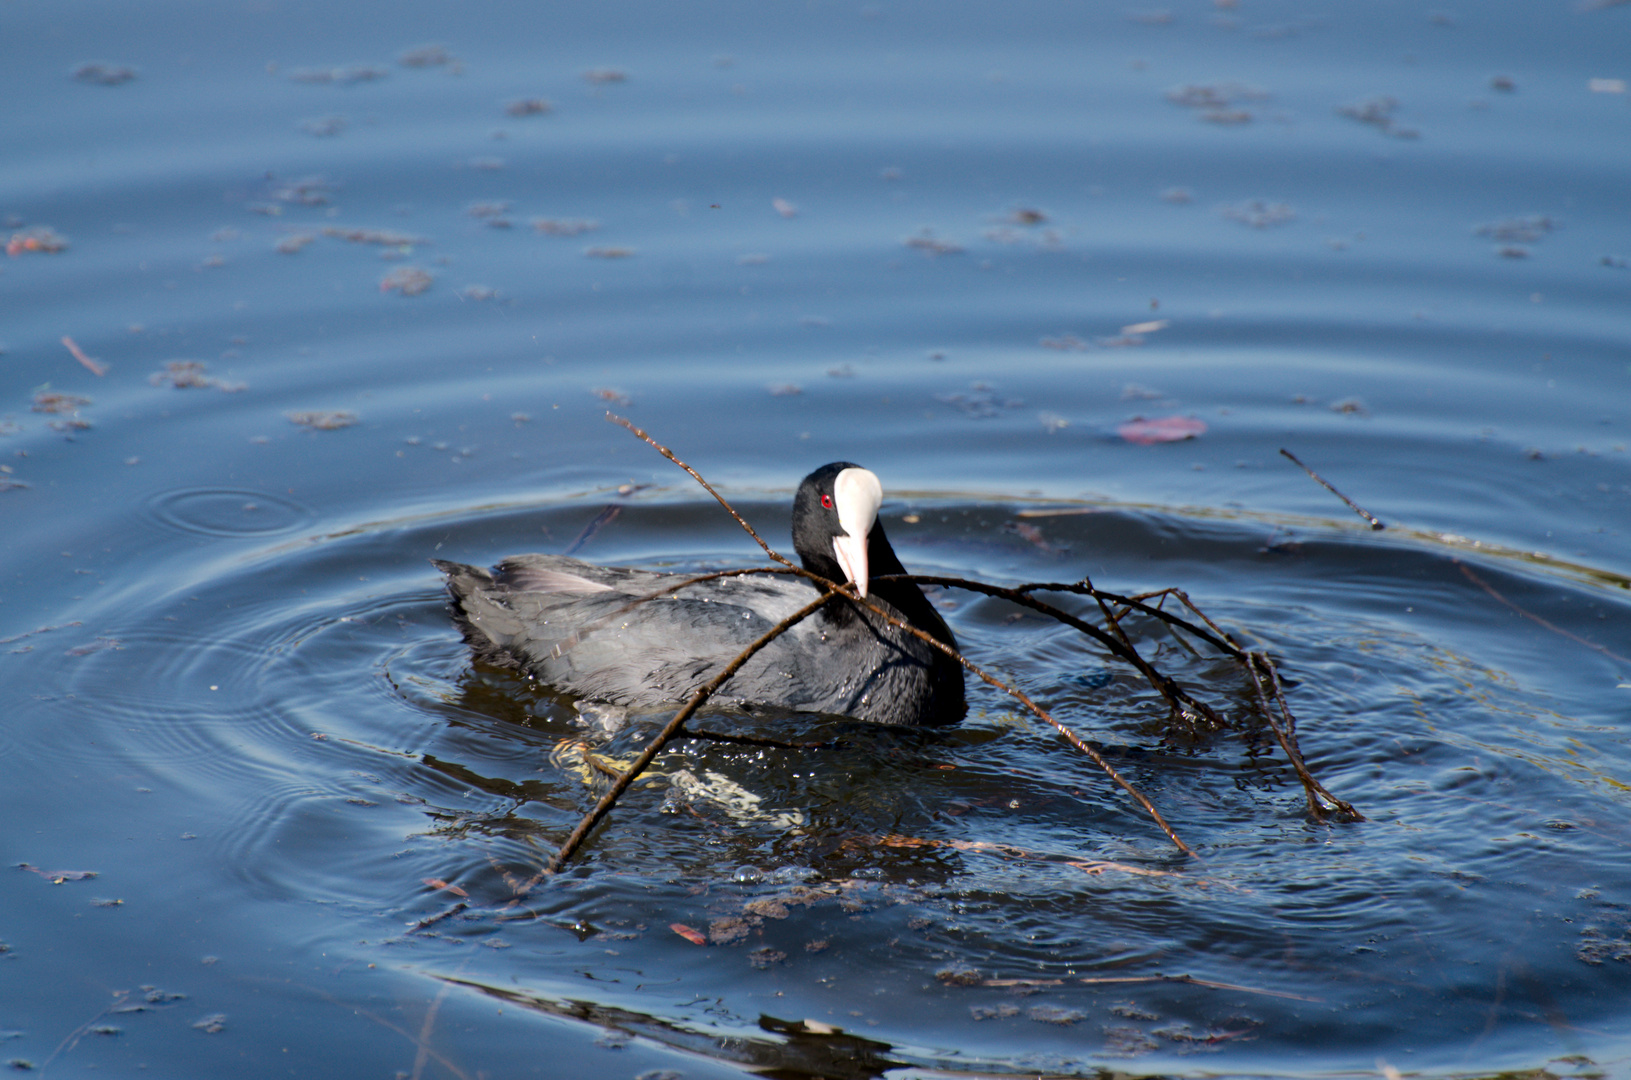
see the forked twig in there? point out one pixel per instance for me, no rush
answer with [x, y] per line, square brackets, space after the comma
[1118, 645]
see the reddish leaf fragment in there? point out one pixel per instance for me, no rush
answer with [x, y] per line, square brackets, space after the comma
[38, 238]
[438, 883]
[1146, 432]
[695, 937]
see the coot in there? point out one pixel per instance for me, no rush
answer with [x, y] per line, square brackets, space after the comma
[577, 626]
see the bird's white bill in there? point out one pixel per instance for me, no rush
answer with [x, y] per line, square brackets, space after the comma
[857, 494]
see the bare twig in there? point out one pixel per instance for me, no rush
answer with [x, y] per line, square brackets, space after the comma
[1119, 647]
[1103, 980]
[1482, 584]
[669, 454]
[423, 1053]
[432, 920]
[1261, 668]
[1355, 507]
[90, 363]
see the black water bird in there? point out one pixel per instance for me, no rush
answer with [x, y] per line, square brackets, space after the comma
[583, 629]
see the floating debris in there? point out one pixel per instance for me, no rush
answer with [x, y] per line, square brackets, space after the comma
[184, 374]
[785, 389]
[608, 252]
[766, 957]
[1350, 407]
[1177, 195]
[1606, 86]
[602, 76]
[324, 127]
[288, 245]
[1217, 103]
[1258, 213]
[495, 213]
[486, 164]
[982, 401]
[926, 242]
[1503, 83]
[411, 280]
[307, 191]
[1161, 429]
[425, 56]
[101, 644]
[323, 420]
[1520, 230]
[102, 74]
[785, 208]
[616, 397]
[41, 238]
[50, 401]
[564, 226]
[993, 1012]
[57, 877]
[528, 107]
[1378, 112]
[354, 74]
[211, 1024]
[478, 292]
[386, 237]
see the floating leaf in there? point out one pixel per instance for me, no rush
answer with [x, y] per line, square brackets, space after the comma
[695, 937]
[1160, 429]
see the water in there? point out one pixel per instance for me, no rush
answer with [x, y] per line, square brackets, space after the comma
[1390, 239]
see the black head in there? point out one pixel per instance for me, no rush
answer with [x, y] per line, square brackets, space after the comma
[835, 524]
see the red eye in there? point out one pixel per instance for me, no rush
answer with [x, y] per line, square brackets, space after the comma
[826, 500]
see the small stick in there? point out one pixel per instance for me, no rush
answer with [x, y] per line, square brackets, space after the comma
[1355, 507]
[79, 354]
[669, 454]
[432, 920]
